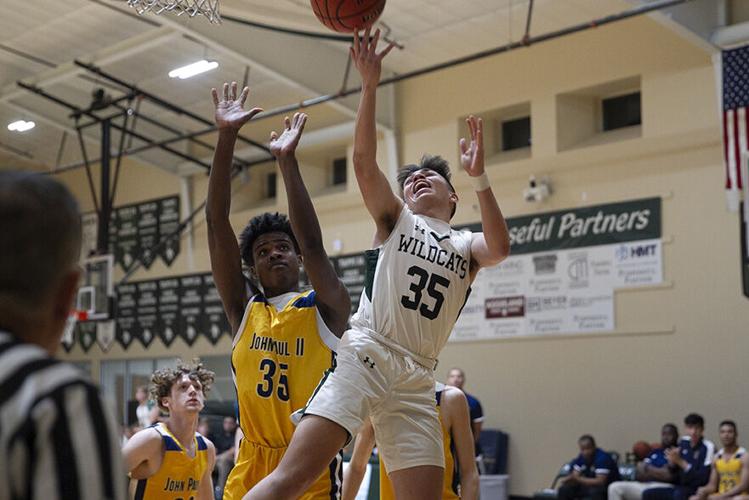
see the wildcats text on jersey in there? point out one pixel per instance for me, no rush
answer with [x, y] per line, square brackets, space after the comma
[432, 251]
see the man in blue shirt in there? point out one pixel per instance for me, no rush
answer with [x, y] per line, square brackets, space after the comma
[653, 472]
[592, 472]
[457, 378]
[690, 463]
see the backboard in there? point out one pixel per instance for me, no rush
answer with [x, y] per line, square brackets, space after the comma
[96, 292]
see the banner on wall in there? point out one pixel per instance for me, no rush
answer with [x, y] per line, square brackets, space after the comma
[562, 271]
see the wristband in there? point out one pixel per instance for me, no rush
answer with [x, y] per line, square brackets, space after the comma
[480, 182]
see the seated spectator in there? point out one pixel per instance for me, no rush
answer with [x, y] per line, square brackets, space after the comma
[204, 428]
[457, 378]
[729, 478]
[224, 442]
[652, 472]
[690, 463]
[147, 410]
[592, 472]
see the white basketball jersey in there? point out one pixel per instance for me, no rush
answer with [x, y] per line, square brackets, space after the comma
[416, 285]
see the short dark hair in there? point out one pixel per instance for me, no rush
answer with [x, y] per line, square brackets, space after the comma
[259, 225]
[587, 437]
[41, 236]
[694, 419]
[430, 162]
[163, 380]
[728, 422]
[671, 427]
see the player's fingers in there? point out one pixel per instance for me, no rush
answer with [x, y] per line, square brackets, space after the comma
[214, 94]
[233, 93]
[463, 147]
[253, 112]
[355, 47]
[387, 50]
[226, 91]
[273, 136]
[243, 96]
[375, 39]
[302, 121]
[287, 122]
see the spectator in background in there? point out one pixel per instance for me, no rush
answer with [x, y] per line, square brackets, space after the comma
[592, 472]
[729, 478]
[204, 429]
[224, 442]
[690, 463]
[653, 472]
[147, 411]
[457, 378]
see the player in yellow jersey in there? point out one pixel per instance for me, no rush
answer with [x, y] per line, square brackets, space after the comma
[461, 476]
[729, 477]
[285, 339]
[172, 461]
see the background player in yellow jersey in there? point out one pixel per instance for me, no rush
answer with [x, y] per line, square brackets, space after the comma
[172, 461]
[284, 339]
[461, 476]
[729, 477]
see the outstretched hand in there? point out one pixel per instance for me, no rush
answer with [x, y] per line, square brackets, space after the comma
[230, 113]
[472, 154]
[284, 145]
[366, 59]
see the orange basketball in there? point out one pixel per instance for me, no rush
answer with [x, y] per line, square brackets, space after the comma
[641, 449]
[345, 16]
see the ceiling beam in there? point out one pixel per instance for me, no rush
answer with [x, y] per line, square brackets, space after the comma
[211, 38]
[108, 55]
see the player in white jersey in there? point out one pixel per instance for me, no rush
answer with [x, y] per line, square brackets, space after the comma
[418, 279]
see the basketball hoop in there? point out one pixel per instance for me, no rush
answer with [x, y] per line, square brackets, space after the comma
[74, 317]
[207, 8]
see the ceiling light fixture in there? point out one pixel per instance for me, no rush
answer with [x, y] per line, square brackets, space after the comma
[193, 69]
[21, 126]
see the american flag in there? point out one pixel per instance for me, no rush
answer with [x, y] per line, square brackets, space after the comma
[735, 76]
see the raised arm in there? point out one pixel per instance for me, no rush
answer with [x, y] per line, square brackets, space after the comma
[333, 299]
[456, 405]
[357, 467]
[383, 205]
[491, 246]
[226, 263]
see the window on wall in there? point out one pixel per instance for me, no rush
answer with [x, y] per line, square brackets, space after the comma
[621, 111]
[119, 380]
[516, 133]
[339, 171]
[270, 185]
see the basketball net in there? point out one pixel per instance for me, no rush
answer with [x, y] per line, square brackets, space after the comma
[207, 8]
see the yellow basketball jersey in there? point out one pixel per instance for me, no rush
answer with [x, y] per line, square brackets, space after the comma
[179, 476]
[278, 359]
[452, 479]
[729, 469]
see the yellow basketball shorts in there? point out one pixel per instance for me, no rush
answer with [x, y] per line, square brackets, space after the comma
[256, 461]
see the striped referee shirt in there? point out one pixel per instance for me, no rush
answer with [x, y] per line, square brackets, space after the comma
[57, 441]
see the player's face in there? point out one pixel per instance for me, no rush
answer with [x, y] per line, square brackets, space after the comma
[669, 437]
[426, 188]
[276, 263]
[186, 395]
[727, 435]
[455, 378]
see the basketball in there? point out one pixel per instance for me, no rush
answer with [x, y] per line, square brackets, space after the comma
[346, 16]
[641, 449]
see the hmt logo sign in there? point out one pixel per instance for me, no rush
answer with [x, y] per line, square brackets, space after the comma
[636, 251]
